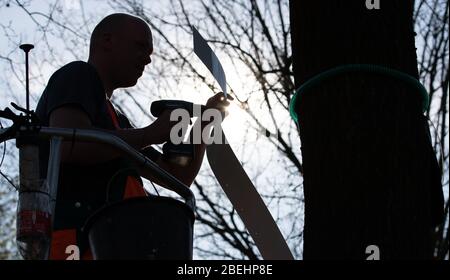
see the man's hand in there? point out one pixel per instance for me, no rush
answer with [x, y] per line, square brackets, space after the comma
[159, 131]
[219, 102]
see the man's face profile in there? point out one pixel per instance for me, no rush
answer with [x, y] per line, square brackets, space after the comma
[128, 48]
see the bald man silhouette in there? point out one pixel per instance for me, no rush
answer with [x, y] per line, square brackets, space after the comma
[78, 96]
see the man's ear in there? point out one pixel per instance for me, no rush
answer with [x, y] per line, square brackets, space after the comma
[107, 41]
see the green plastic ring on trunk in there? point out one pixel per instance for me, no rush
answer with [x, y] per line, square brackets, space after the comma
[358, 68]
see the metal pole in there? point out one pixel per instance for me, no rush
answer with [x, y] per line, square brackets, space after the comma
[102, 137]
[26, 48]
[54, 160]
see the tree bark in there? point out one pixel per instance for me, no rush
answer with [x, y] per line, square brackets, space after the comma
[368, 163]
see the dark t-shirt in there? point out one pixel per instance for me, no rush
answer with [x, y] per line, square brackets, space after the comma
[83, 188]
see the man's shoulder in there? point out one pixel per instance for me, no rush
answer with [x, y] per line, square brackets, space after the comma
[75, 75]
[76, 83]
[75, 67]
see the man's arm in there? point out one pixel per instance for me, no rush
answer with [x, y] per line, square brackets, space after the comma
[87, 152]
[187, 174]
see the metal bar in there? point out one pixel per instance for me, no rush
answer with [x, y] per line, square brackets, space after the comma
[54, 160]
[106, 138]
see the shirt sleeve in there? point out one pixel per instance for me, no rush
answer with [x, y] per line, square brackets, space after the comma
[123, 120]
[76, 84]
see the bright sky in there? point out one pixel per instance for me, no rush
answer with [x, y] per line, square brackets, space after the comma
[23, 30]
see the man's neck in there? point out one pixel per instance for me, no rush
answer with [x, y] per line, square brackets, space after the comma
[106, 81]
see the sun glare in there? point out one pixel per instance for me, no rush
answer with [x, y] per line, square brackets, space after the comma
[235, 124]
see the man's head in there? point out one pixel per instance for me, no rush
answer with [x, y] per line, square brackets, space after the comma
[120, 48]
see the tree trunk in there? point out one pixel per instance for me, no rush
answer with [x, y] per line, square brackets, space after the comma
[367, 158]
